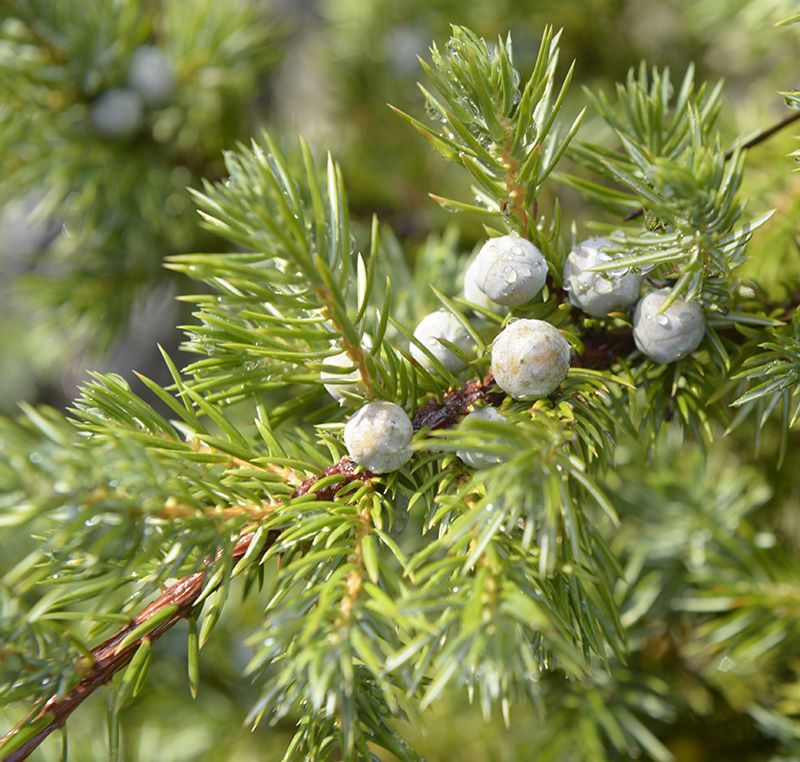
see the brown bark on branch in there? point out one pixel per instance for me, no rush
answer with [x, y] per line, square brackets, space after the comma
[442, 415]
[106, 661]
[601, 350]
[108, 658]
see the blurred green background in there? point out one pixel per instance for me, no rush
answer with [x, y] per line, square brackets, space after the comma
[80, 288]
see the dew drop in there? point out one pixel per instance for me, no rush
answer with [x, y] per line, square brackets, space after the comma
[726, 664]
[509, 275]
[433, 114]
[663, 321]
[604, 287]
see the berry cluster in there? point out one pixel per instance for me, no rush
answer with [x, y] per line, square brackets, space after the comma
[529, 358]
[119, 112]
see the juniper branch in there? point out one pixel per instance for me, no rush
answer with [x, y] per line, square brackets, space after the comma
[178, 600]
[760, 137]
[174, 604]
[765, 134]
[604, 348]
[601, 350]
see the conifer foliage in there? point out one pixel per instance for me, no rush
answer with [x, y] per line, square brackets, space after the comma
[525, 557]
[119, 110]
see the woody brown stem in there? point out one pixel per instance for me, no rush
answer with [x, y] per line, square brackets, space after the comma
[108, 659]
[443, 414]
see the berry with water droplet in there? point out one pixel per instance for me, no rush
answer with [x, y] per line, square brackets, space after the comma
[473, 294]
[530, 358]
[441, 325]
[669, 335]
[509, 270]
[377, 437]
[597, 293]
[478, 458]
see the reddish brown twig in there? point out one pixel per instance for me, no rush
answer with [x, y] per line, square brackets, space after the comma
[603, 348]
[107, 659]
[440, 415]
[345, 467]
